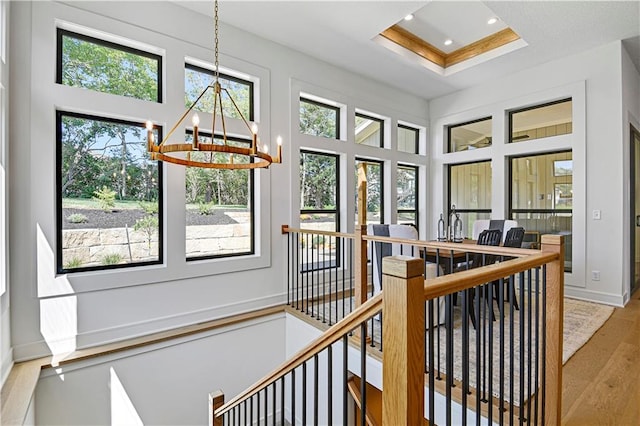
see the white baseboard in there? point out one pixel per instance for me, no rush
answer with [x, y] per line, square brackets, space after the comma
[594, 296]
[6, 366]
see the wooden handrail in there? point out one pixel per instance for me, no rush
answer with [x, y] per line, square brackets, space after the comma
[342, 327]
[286, 230]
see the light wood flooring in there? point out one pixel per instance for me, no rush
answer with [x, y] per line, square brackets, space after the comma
[601, 382]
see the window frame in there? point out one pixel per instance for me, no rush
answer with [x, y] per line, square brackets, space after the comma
[229, 77]
[336, 211]
[370, 117]
[252, 209]
[60, 269]
[416, 169]
[61, 33]
[417, 139]
[452, 126]
[529, 108]
[323, 105]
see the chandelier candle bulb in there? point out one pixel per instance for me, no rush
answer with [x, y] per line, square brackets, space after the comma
[254, 138]
[279, 153]
[149, 135]
[195, 120]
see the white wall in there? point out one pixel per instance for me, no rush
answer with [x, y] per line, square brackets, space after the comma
[593, 80]
[163, 384]
[85, 309]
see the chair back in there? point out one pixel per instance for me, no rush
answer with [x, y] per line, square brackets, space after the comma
[514, 237]
[490, 237]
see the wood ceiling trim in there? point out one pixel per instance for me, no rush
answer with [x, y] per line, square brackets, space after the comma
[410, 41]
[415, 44]
[481, 46]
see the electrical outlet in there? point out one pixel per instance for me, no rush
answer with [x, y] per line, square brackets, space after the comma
[596, 215]
[595, 275]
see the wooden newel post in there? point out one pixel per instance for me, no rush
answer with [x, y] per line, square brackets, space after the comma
[554, 329]
[403, 328]
[216, 400]
[360, 265]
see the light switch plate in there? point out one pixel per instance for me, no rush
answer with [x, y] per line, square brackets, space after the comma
[596, 215]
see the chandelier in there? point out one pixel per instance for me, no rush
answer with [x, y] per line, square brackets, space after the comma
[175, 152]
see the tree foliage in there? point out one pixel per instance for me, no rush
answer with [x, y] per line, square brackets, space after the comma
[317, 120]
[318, 181]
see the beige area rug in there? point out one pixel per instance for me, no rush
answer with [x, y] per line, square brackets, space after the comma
[581, 320]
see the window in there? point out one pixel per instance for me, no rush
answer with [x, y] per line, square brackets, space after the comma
[109, 194]
[369, 130]
[542, 199]
[319, 191]
[541, 121]
[107, 67]
[319, 119]
[470, 135]
[408, 139]
[470, 192]
[219, 206]
[196, 79]
[407, 187]
[375, 190]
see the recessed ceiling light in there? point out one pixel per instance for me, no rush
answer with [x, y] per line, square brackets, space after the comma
[448, 42]
[408, 17]
[492, 21]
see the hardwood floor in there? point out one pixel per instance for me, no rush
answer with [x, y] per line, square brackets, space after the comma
[601, 382]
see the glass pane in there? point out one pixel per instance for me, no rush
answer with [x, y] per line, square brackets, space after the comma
[109, 192]
[219, 202]
[542, 181]
[318, 119]
[550, 223]
[407, 181]
[368, 131]
[197, 79]
[408, 139]
[468, 136]
[467, 221]
[319, 221]
[109, 68]
[407, 218]
[542, 121]
[374, 191]
[470, 186]
[318, 181]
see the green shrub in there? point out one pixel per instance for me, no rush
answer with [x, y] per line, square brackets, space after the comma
[106, 198]
[74, 262]
[77, 218]
[148, 225]
[205, 209]
[111, 259]
[149, 207]
[318, 241]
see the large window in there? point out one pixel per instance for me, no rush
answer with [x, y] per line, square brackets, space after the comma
[319, 119]
[109, 194]
[108, 67]
[375, 190]
[407, 195]
[369, 130]
[470, 135]
[541, 195]
[219, 205]
[541, 121]
[196, 79]
[408, 139]
[319, 191]
[470, 193]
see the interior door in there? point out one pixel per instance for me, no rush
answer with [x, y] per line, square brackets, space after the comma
[635, 209]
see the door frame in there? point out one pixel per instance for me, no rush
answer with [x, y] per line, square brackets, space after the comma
[633, 174]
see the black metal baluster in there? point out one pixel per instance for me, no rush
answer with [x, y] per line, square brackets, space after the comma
[501, 361]
[449, 354]
[345, 378]
[273, 404]
[511, 350]
[476, 300]
[465, 353]
[282, 401]
[257, 408]
[363, 374]
[324, 277]
[330, 385]
[304, 393]
[544, 342]
[489, 303]
[315, 261]
[293, 397]
[537, 346]
[522, 345]
[529, 327]
[297, 263]
[432, 375]
[351, 261]
[316, 396]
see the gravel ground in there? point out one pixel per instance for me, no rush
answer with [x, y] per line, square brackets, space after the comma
[128, 217]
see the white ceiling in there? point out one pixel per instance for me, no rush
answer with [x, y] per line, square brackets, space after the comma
[342, 33]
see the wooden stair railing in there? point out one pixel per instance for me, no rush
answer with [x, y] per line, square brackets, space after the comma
[405, 402]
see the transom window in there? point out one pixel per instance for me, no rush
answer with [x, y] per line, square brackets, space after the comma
[94, 64]
[470, 135]
[109, 194]
[369, 130]
[541, 121]
[408, 139]
[319, 119]
[196, 79]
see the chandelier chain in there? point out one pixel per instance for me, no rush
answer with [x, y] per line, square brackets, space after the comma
[216, 32]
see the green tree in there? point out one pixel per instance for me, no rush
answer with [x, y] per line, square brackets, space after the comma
[317, 120]
[317, 181]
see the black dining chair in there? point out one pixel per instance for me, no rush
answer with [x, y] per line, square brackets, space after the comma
[514, 239]
[488, 237]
